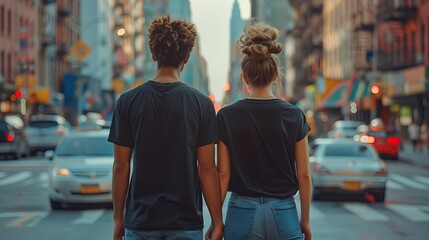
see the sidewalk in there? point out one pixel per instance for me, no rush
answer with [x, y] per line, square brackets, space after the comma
[407, 154]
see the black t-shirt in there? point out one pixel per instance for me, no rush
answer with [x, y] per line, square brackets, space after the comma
[261, 136]
[164, 123]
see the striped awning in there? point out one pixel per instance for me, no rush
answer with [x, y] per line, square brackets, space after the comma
[335, 98]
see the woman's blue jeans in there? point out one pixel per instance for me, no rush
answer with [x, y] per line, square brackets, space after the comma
[251, 218]
[163, 235]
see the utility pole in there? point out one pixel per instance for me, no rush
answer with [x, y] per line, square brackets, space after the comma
[375, 109]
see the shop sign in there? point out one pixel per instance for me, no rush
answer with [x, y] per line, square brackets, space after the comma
[414, 80]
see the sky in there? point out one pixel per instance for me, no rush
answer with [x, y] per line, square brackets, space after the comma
[212, 21]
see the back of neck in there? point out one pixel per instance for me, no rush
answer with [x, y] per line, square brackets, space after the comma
[167, 75]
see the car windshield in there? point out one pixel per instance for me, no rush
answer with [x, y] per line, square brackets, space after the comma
[347, 150]
[3, 126]
[381, 134]
[85, 146]
[43, 124]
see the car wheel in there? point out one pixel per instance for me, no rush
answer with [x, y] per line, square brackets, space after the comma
[379, 197]
[55, 205]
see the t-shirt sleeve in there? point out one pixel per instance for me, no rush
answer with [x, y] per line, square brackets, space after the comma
[208, 130]
[120, 129]
[303, 127]
[222, 128]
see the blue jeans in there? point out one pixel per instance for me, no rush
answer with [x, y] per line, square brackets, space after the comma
[251, 218]
[163, 235]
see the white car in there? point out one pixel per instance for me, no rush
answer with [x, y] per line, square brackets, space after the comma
[45, 131]
[343, 166]
[81, 170]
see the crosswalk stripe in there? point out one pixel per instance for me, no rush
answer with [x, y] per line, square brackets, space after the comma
[2, 174]
[18, 177]
[36, 220]
[88, 217]
[412, 213]
[393, 185]
[422, 179]
[315, 213]
[366, 213]
[43, 177]
[407, 182]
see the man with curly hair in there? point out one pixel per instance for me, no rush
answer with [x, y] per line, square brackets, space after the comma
[170, 130]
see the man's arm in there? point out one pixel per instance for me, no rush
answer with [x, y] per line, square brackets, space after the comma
[120, 180]
[209, 180]
[223, 168]
[304, 181]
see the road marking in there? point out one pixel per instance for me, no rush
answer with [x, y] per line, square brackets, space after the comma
[315, 213]
[393, 185]
[23, 219]
[36, 219]
[365, 212]
[422, 179]
[43, 177]
[21, 176]
[412, 213]
[2, 174]
[407, 182]
[88, 217]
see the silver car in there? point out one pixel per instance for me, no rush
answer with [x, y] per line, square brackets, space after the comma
[45, 131]
[344, 129]
[81, 170]
[346, 166]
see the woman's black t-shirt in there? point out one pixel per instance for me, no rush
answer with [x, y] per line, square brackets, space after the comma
[261, 136]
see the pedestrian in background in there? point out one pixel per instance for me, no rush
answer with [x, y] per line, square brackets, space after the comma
[413, 134]
[170, 129]
[263, 150]
[424, 137]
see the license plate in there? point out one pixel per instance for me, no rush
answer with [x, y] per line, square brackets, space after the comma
[352, 186]
[89, 189]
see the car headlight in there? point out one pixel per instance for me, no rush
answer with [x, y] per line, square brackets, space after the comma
[62, 172]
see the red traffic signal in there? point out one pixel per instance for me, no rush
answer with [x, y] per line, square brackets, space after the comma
[18, 93]
[375, 89]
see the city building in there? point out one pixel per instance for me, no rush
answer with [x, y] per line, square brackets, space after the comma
[195, 71]
[17, 25]
[277, 13]
[236, 89]
[403, 60]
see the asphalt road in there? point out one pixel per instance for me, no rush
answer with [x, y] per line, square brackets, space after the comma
[25, 212]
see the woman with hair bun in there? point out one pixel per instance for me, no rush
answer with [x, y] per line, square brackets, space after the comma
[170, 130]
[263, 150]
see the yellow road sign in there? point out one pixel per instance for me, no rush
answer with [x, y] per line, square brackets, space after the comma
[80, 50]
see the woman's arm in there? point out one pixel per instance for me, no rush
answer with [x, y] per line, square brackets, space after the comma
[304, 181]
[223, 168]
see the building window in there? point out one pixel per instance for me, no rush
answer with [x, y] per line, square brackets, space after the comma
[2, 19]
[2, 64]
[9, 65]
[9, 23]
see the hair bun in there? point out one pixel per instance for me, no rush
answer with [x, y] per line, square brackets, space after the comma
[257, 52]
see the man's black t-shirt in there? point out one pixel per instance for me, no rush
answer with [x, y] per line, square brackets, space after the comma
[164, 123]
[261, 136]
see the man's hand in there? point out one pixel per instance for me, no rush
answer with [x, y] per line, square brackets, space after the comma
[305, 229]
[119, 230]
[214, 233]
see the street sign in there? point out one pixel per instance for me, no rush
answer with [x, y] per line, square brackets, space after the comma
[80, 50]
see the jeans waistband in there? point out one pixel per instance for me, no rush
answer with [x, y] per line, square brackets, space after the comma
[261, 199]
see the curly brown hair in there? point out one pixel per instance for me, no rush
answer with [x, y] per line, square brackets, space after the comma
[259, 44]
[171, 41]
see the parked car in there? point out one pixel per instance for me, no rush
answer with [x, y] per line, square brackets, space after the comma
[343, 166]
[385, 142]
[13, 142]
[344, 129]
[81, 170]
[45, 131]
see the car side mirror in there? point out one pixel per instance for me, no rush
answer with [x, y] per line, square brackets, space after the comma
[49, 154]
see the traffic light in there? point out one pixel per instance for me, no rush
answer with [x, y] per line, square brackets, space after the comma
[375, 89]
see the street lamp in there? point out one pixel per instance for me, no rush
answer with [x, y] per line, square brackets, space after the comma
[120, 32]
